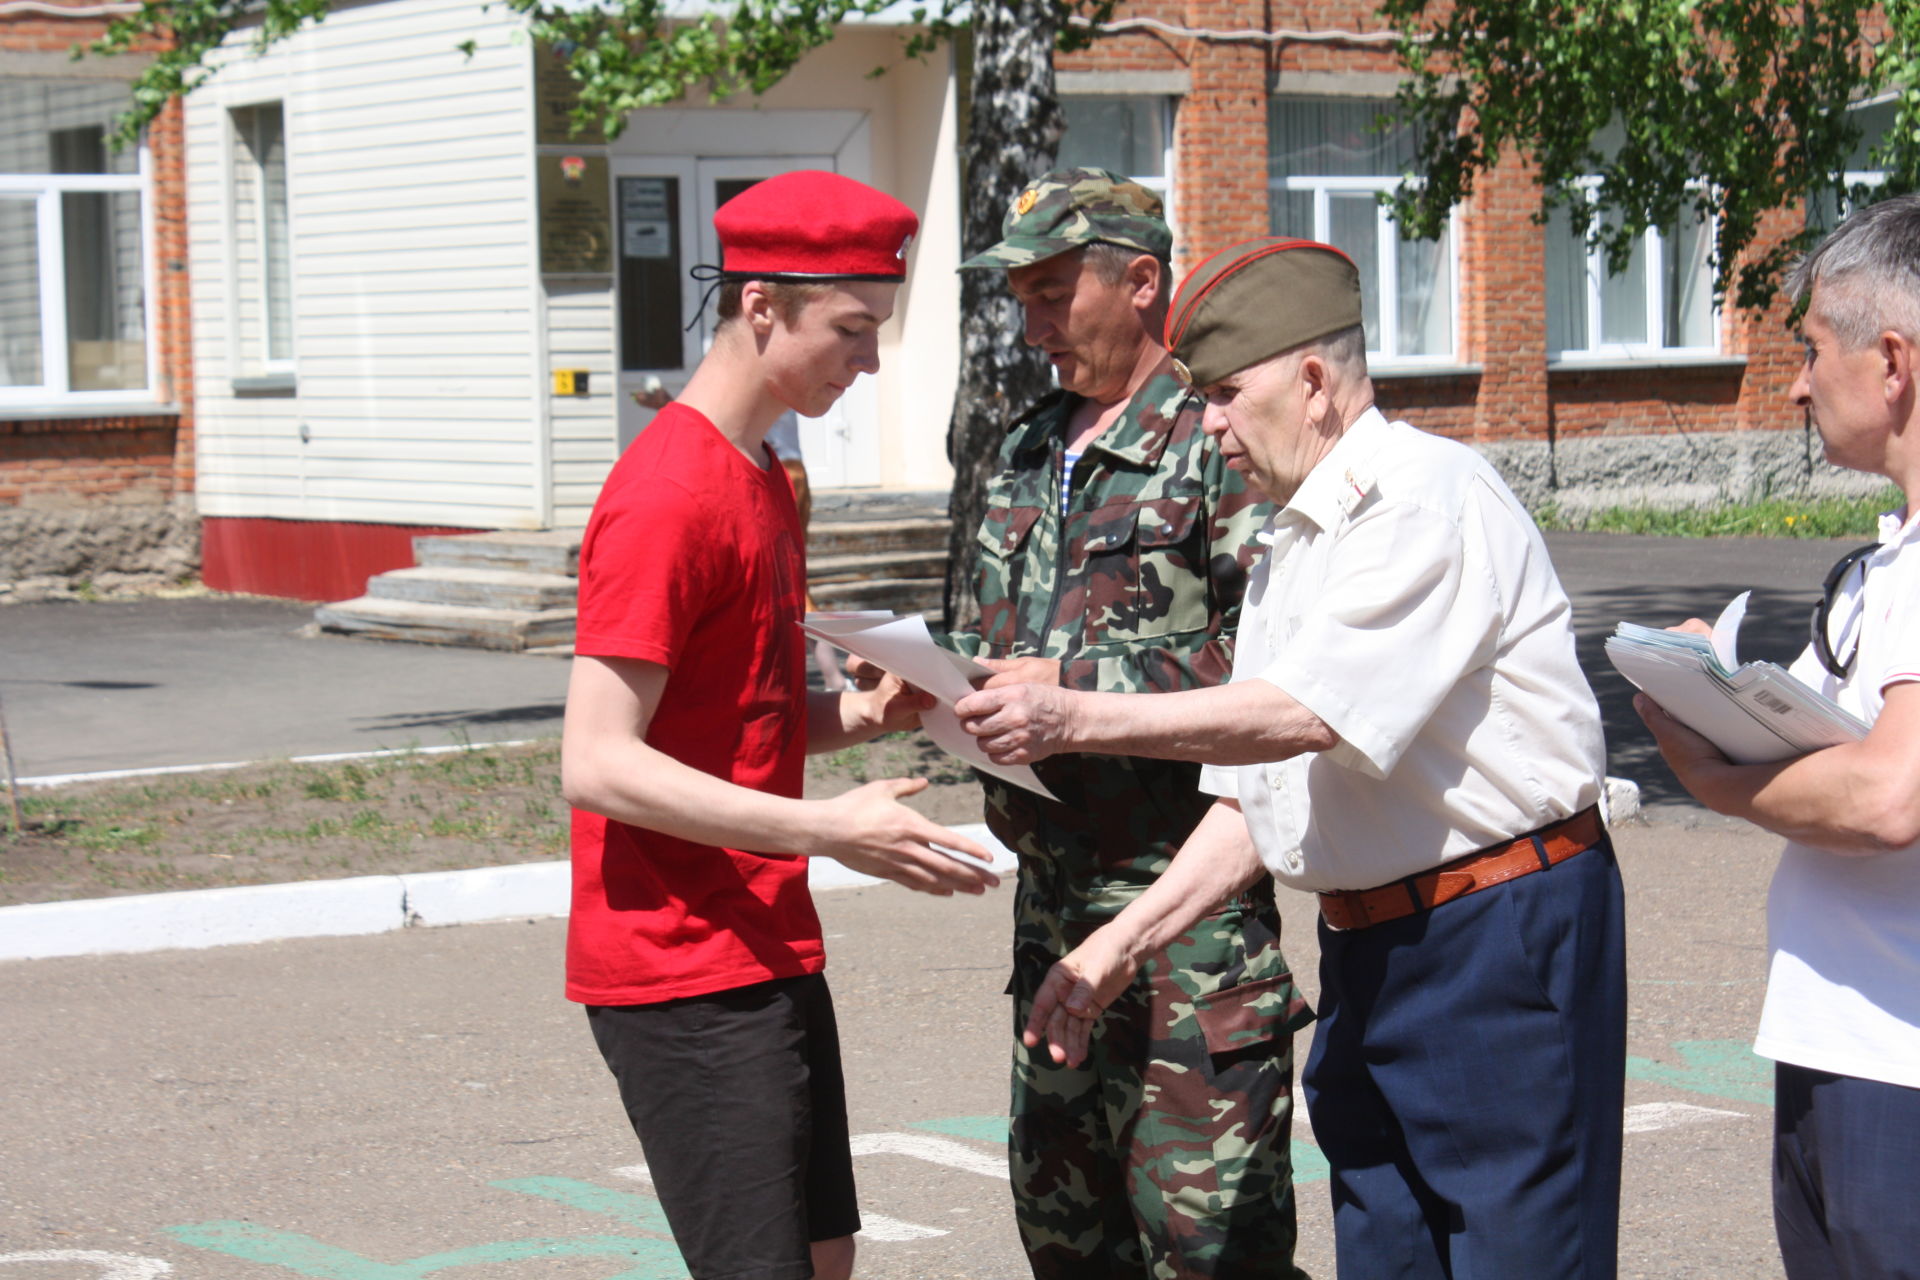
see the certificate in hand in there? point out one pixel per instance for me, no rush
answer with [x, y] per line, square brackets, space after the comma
[904, 647]
[1755, 712]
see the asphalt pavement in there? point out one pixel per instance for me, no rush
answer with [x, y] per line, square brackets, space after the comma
[424, 1104]
[143, 683]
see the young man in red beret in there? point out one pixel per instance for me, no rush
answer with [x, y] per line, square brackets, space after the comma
[693, 940]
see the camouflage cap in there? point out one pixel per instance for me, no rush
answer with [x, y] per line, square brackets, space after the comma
[1068, 208]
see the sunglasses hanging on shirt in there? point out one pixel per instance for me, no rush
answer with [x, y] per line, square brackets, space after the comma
[1822, 620]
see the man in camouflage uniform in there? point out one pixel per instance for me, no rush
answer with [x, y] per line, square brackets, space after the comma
[1165, 1154]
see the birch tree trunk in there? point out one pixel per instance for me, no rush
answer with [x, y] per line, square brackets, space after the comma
[1012, 138]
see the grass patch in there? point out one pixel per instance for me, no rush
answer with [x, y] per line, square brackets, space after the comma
[1763, 518]
[276, 822]
[271, 823]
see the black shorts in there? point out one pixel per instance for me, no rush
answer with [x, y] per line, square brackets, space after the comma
[741, 1110]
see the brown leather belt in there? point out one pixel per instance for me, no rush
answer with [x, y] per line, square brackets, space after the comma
[1524, 855]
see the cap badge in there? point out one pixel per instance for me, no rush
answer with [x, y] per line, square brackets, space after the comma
[1181, 371]
[902, 255]
[1028, 198]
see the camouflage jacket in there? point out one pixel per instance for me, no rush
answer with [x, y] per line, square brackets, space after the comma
[1137, 590]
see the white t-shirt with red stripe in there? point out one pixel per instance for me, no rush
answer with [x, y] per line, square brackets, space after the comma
[1843, 933]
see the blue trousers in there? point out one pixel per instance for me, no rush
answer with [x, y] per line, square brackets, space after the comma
[1467, 1078]
[1846, 1176]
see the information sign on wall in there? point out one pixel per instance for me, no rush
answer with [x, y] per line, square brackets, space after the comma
[576, 215]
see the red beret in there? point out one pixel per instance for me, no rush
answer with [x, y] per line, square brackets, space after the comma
[814, 226]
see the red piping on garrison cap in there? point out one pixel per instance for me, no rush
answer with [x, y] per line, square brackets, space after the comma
[1177, 321]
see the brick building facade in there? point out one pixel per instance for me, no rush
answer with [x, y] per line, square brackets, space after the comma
[96, 386]
[1586, 389]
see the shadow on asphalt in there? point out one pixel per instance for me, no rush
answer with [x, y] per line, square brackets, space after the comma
[530, 713]
[1775, 630]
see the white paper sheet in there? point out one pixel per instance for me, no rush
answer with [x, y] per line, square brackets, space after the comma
[905, 647]
[1726, 632]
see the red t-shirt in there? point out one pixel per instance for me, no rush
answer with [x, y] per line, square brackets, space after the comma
[693, 560]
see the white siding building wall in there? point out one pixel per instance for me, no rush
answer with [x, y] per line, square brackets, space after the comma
[414, 392]
[580, 326]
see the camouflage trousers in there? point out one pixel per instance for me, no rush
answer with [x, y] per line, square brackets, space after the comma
[1165, 1153]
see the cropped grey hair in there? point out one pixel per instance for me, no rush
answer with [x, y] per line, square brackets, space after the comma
[1868, 274]
[1346, 348]
[1109, 263]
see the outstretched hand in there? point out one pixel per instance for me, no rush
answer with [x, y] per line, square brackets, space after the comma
[1018, 723]
[1073, 995]
[869, 830]
[894, 704]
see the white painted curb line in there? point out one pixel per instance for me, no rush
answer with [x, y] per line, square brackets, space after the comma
[197, 918]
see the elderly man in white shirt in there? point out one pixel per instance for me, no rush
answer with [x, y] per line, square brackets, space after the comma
[1408, 735]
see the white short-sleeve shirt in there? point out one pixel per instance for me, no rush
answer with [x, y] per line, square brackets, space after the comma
[1408, 601]
[1843, 933]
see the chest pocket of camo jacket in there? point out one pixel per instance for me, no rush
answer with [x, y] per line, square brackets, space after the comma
[1145, 569]
[1001, 584]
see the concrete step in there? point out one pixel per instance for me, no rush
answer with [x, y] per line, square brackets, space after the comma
[556, 551]
[865, 537]
[483, 588]
[879, 504]
[463, 625]
[902, 595]
[886, 564]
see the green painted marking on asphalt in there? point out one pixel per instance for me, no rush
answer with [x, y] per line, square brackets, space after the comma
[1716, 1068]
[643, 1213]
[643, 1259]
[983, 1128]
[1308, 1164]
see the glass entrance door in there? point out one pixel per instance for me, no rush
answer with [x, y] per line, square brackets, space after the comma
[665, 210]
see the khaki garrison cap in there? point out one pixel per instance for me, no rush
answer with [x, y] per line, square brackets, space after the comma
[1069, 208]
[1257, 299]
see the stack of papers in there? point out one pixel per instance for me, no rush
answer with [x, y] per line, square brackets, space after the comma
[905, 647]
[1755, 712]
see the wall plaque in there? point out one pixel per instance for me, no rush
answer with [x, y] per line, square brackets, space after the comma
[576, 215]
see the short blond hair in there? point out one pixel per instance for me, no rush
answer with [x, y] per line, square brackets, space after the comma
[789, 298]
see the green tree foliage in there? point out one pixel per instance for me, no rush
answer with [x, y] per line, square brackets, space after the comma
[625, 53]
[1717, 109]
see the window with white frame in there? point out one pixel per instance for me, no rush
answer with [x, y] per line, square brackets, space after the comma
[262, 292]
[1127, 134]
[1661, 304]
[1825, 211]
[73, 247]
[1326, 168]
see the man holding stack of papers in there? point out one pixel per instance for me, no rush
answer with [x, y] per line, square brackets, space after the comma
[1842, 1015]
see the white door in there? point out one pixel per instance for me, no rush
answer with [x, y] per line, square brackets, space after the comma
[665, 208]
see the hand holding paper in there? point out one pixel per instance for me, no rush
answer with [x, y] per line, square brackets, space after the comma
[904, 647]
